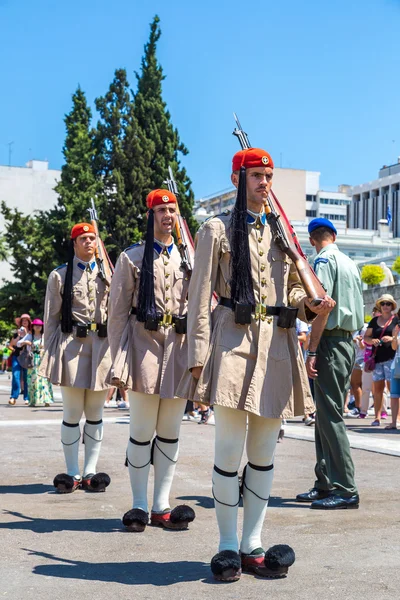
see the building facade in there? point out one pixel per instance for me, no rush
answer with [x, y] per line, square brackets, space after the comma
[27, 189]
[376, 200]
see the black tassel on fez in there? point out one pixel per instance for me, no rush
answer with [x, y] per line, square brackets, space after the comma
[241, 283]
[146, 308]
[66, 308]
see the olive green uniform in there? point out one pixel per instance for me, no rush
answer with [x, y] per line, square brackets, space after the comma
[335, 359]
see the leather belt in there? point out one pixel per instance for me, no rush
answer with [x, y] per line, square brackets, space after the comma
[89, 326]
[337, 333]
[82, 329]
[163, 318]
[262, 309]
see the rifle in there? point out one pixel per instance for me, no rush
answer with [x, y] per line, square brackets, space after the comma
[183, 235]
[285, 236]
[104, 264]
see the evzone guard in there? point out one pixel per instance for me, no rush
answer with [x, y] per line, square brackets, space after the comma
[147, 331]
[77, 356]
[246, 360]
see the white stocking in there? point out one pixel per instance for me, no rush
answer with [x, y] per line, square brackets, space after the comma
[261, 442]
[143, 420]
[93, 429]
[230, 433]
[166, 452]
[73, 401]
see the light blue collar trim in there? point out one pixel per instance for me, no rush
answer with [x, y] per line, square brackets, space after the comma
[252, 218]
[83, 266]
[159, 247]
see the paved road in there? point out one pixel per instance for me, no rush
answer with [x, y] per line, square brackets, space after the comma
[56, 547]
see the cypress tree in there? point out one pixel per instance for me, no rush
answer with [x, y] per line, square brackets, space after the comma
[154, 120]
[121, 163]
[78, 183]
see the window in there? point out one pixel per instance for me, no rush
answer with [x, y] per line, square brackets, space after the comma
[333, 217]
[310, 198]
[333, 201]
[311, 213]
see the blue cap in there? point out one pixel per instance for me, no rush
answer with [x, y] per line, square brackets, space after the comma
[315, 223]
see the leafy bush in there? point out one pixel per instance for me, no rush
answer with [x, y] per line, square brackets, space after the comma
[396, 265]
[372, 274]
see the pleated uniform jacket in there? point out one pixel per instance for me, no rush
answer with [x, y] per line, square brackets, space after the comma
[68, 360]
[150, 362]
[258, 367]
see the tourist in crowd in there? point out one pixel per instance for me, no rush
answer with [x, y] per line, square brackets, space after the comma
[380, 334]
[121, 400]
[40, 390]
[5, 357]
[395, 379]
[356, 375]
[19, 380]
[366, 380]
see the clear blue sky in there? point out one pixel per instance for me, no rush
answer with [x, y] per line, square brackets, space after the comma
[316, 83]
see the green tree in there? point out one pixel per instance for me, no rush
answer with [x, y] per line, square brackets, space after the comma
[122, 163]
[4, 250]
[372, 274]
[78, 183]
[5, 331]
[154, 119]
[31, 255]
[396, 265]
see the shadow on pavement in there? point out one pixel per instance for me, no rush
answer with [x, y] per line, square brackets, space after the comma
[27, 488]
[274, 502]
[366, 429]
[42, 409]
[51, 525]
[128, 573]
[203, 501]
[278, 502]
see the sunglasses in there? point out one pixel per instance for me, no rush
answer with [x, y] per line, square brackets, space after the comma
[386, 304]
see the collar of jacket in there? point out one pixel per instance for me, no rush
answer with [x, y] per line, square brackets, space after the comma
[160, 248]
[320, 256]
[83, 265]
[326, 249]
[252, 220]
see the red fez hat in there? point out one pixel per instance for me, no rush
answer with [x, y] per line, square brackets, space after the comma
[81, 229]
[157, 197]
[252, 157]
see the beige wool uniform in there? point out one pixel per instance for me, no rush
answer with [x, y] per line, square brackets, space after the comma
[150, 362]
[259, 367]
[70, 361]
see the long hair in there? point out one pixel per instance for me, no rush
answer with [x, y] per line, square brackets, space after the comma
[241, 279]
[146, 308]
[66, 309]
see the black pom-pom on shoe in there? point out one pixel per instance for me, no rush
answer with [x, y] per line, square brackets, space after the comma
[135, 519]
[182, 514]
[226, 566]
[66, 484]
[278, 559]
[96, 483]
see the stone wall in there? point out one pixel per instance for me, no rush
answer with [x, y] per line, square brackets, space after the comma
[372, 294]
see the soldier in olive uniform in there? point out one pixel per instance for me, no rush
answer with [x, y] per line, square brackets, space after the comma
[330, 361]
[147, 329]
[77, 356]
[247, 360]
